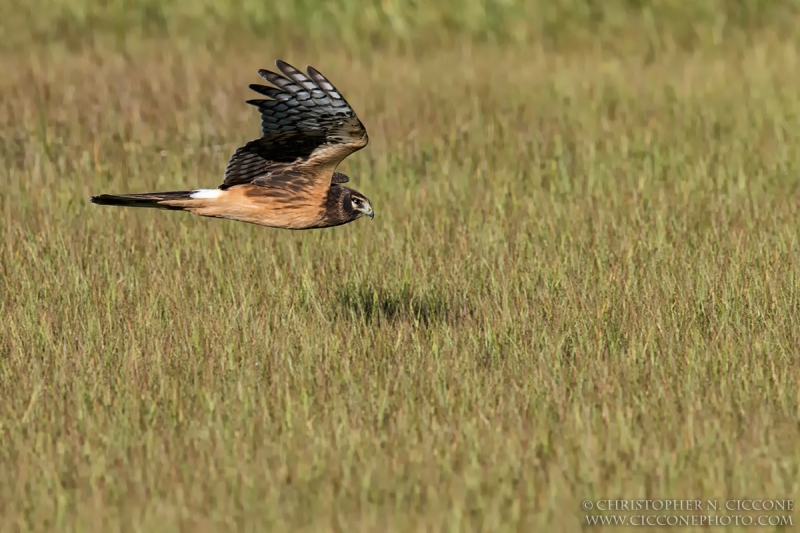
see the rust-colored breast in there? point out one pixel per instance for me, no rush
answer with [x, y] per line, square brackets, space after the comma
[275, 207]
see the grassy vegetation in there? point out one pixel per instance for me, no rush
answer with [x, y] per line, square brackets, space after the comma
[582, 280]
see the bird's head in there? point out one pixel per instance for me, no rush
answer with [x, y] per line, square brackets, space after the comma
[357, 205]
[345, 205]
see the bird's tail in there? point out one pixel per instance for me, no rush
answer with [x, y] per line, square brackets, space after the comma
[157, 200]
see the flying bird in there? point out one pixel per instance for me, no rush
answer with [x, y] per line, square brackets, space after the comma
[286, 178]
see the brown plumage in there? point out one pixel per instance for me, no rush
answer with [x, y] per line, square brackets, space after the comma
[286, 178]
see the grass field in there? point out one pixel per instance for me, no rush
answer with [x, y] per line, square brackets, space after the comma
[582, 280]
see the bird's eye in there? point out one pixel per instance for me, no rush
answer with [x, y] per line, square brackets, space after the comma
[356, 201]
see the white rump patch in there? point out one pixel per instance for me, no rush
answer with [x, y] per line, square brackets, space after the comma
[206, 194]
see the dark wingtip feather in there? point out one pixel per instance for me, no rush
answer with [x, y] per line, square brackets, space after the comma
[324, 83]
[285, 68]
[281, 64]
[290, 72]
[338, 177]
[272, 92]
[312, 71]
[316, 75]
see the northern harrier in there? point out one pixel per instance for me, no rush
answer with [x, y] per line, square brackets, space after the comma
[286, 178]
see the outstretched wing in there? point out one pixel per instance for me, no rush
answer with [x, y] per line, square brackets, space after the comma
[307, 129]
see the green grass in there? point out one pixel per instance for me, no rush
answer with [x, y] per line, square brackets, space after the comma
[582, 280]
[395, 25]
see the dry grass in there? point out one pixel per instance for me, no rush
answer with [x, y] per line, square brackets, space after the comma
[582, 282]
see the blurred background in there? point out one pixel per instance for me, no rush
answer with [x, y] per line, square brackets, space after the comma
[635, 26]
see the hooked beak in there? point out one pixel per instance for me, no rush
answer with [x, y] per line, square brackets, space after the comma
[367, 210]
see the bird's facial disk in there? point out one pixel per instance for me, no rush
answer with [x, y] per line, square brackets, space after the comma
[362, 205]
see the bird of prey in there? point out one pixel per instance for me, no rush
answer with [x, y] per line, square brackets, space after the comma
[286, 178]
